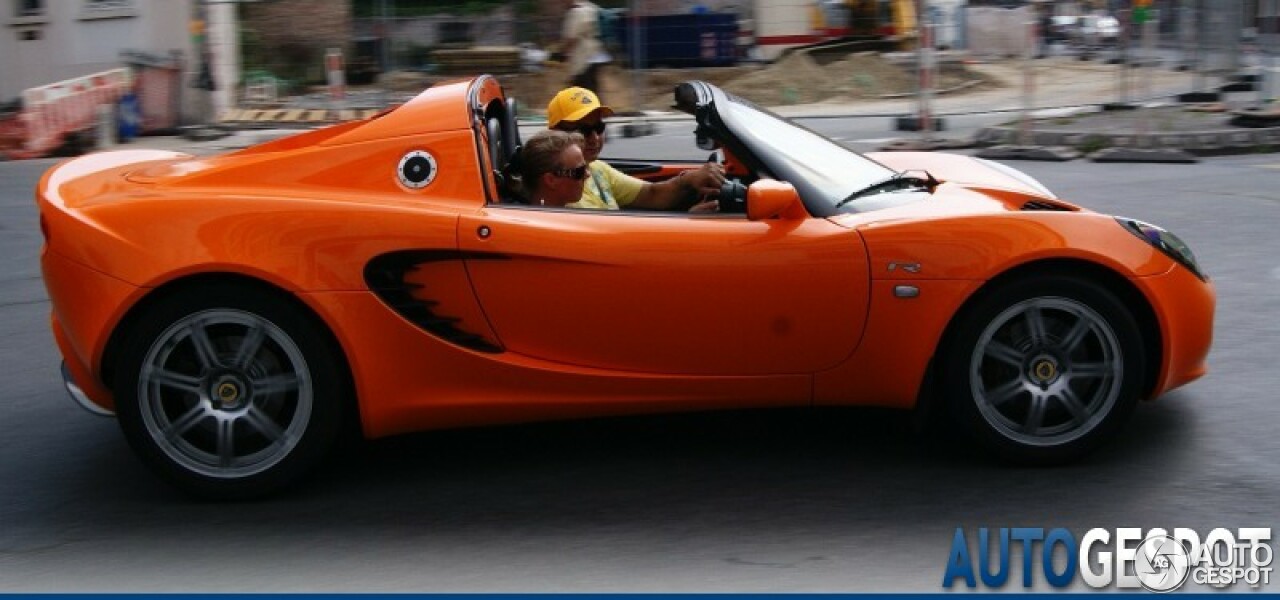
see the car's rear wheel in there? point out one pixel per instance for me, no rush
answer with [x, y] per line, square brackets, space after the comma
[229, 392]
[1043, 370]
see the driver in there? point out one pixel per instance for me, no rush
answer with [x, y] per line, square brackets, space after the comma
[578, 110]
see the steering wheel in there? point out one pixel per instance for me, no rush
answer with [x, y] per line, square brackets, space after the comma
[732, 197]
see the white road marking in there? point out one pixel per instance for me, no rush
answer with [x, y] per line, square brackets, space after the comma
[1050, 113]
[867, 140]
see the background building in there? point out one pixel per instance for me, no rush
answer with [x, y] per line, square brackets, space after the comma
[44, 41]
[285, 41]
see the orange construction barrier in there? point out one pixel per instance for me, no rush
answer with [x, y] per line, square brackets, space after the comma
[50, 113]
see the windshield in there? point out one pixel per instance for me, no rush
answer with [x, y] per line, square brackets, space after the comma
[822, 171]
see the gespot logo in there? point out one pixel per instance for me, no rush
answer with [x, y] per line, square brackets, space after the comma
[1127, 558]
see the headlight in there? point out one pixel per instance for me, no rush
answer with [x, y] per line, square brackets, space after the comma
[1166, 242]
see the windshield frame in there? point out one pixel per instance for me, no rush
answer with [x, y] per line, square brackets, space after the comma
[822, 171]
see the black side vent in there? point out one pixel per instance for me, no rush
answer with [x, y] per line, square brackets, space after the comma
[385, 276]
[1042, 205]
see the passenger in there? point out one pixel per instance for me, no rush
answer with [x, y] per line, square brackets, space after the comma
[579, 110]
[552, 168]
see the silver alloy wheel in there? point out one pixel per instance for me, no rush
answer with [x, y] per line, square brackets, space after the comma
[225, 393]
[1046, 371]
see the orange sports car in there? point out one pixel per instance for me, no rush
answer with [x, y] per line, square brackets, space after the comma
[236, 312]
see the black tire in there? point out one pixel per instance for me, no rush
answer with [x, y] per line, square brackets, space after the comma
[229, 391]
[1042, 370]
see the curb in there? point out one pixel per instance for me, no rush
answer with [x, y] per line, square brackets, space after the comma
[1041, 153]
[912, 123]
[925, 145]
[1140, 155]
[1200, 143]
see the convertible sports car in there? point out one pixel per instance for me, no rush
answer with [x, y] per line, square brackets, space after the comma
[236, 312]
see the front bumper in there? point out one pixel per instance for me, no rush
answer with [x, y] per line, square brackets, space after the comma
[1184, 306]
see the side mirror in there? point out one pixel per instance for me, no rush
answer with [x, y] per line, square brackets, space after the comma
[770, 198]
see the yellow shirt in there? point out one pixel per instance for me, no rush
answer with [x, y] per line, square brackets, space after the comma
[619, 189]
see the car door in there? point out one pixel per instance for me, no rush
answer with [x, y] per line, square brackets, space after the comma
[668, 293]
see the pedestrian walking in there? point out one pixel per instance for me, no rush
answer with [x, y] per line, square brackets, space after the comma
[581, 46]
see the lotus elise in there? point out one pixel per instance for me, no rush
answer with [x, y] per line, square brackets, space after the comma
[237, 312]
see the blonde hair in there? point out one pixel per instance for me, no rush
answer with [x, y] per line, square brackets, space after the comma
[541, 154]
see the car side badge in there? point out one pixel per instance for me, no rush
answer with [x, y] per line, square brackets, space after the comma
[416, 170]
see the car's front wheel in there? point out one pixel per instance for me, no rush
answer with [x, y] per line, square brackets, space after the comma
[1043, 370]
[229, 392]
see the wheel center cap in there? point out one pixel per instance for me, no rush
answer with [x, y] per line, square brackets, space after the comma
[228, 393]
[1044, 370]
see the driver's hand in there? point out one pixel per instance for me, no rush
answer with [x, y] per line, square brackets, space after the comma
[708, 178]
[705, 206]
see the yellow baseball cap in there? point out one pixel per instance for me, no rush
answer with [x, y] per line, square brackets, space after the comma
[574, 104]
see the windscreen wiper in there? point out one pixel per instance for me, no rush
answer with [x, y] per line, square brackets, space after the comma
[905, 180]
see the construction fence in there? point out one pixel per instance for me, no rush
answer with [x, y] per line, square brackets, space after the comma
[76, 114]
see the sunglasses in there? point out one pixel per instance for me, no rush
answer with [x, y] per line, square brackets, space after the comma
[574, 173]
[583, 128]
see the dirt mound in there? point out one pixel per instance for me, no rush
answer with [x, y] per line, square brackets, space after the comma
[661, 82]
[798, 79]
[794, 79]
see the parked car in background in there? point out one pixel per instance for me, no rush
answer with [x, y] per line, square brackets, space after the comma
[1061, 28]
[1097, 30]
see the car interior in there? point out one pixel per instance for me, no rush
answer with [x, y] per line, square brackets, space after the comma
[504, 149]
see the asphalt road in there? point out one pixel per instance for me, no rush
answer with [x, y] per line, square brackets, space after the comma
[828, 501]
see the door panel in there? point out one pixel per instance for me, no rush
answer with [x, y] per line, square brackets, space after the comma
[669, 293]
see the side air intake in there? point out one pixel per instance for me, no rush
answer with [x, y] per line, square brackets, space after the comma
[396, 280]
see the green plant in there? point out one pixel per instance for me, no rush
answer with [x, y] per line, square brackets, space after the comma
[1093, 143]
[864, 81]
[789, 95]
[415, 56]
[253, 55]
[297, 61]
